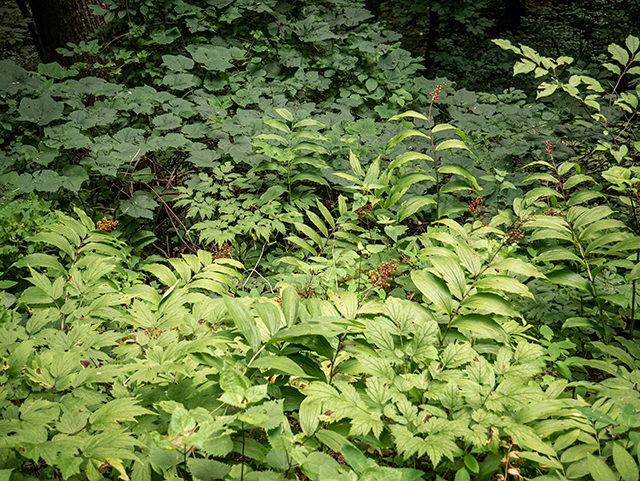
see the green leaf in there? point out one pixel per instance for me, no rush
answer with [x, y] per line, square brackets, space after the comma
[207, 469]
[489, 302]
[141, 204]
[598, 469]
[290, 304]
[117, 410]
[619, 54]
[459, 170]
[281, 364]
[452, 273]
[503, 283]
[355, 459]
[471, 463]
[308, 416]
[42, 111]
[244, 321]
[270, 314]
[434, 289]
[482, 326]
[462, 475]
[451, 144]
[412, 205]
[346, 302]
[568, 278]
[625, 464]
[632, 44]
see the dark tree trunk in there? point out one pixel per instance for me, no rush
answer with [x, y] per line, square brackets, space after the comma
[373, 6]
[60, 21]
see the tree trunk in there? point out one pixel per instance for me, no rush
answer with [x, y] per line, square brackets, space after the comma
[60, 21]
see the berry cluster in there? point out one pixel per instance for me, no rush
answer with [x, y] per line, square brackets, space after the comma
[364, 211]
[515, 232]
[552, 211]
[219, 252]
[548, 147]
[435, 95]
[107, 225]
[383, 274]
[476, 208]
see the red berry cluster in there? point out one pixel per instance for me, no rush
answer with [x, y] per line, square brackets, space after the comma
[552, 211]
[548, 147]
[515, 232]
[476, 208]
[364, 211]
[435, 95]
[381, 275]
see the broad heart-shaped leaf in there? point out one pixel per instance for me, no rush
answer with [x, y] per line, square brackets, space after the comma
[141, 204]
[42, 111]
[625, 464]
[177, 63]
[599, 470]
[281, 364]
[503, 283]
[482, 326]
[213, 58]
[434, 289]
[459, 170]
[244, 321]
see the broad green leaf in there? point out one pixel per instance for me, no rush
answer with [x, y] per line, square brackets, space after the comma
[624, 462]
[503, 283]
[517, 266]
[597, 468]
[207, 469]
[568, 278]
[281, 364]
[346, 302]
[285, 114]
[42, 111]
[544, 461]
[270, 314]
[452, 273]
[403, 135]
[459, 170]
[412, 205]
[290, 305]
[162, 272]
[489, 302]
[327, 216]
[558, 254]
[308, 416]
[619, 54]
[482, 326]
[632, 44]
[244, 321]
[451, 144]
[434, 289]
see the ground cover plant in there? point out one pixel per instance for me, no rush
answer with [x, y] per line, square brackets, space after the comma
[254, 243]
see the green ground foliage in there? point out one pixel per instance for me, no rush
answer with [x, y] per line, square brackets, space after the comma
[256, 242]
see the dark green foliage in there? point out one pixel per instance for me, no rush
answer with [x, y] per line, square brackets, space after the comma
[364, 274]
